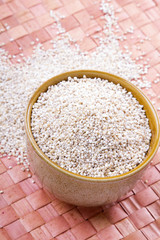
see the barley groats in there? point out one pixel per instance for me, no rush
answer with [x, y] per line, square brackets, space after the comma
[91, 127]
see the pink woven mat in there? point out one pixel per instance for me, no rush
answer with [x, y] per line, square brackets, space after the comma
[27, 211]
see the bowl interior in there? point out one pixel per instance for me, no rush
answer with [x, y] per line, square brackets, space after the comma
[148, 107]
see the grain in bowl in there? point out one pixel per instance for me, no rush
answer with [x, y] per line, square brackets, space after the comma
[84, 188]
[91, 127]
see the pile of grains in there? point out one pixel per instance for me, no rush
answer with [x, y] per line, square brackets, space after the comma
[91, 127]
[19, 81]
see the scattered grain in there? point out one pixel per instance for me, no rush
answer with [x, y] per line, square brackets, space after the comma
[19, 81]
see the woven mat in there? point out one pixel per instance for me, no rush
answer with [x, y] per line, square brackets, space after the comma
[27, 211]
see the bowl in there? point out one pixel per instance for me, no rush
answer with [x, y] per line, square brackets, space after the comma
[81, 190]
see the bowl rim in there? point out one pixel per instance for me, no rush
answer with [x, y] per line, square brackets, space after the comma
[95, 73]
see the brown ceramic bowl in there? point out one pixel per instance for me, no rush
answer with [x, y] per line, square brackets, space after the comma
[81, 190]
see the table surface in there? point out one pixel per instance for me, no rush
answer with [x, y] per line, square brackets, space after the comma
[27, 211]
